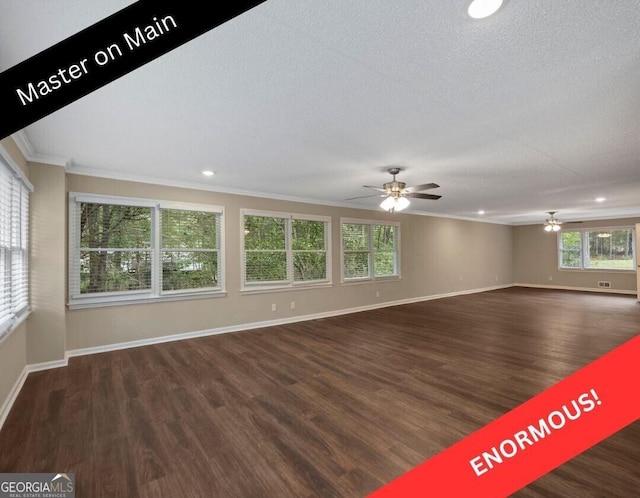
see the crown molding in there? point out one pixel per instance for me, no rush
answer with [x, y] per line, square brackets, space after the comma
[47, 159]
[23, 143]
[75, 169]
[462, 218]
[622, 215]
[30, 153]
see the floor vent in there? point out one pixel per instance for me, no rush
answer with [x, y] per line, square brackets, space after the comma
[604, 284]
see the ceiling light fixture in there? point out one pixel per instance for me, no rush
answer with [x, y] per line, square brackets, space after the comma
[600, 199]
[395, 203]
[552, 224]
[479, 9]
[481, 211]
[208, 172]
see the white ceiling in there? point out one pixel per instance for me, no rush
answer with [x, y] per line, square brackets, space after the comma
[534, 109]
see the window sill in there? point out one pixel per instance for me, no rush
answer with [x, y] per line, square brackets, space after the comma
[97, 302]
[284, 288]
[14, 325]
[376, 280]
[595, 270]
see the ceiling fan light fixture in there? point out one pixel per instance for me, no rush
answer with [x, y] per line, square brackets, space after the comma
[393, 204]
[479, 9]
[552, 224]
[388, 203]
[396, 193]
[402, 203]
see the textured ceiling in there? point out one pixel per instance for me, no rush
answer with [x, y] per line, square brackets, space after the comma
[534, 109]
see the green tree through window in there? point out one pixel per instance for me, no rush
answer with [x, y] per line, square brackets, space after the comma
[369, 250]
[115, 248]
[283, 250]
[189, 249]
[603, 248]
[123, 249]
[570, 249]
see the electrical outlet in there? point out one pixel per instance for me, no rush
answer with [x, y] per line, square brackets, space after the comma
[377, 293]
[550, 277]
[293, 305]
[274, 307]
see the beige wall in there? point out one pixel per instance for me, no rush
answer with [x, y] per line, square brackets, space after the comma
[13, 348]
[47, 324]
[13, 360]
[536, 259]
[438, 256]
[11, 147]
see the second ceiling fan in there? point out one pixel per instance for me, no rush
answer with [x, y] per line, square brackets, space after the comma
[396, 193]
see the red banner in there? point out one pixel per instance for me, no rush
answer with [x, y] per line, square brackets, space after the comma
[537, 436]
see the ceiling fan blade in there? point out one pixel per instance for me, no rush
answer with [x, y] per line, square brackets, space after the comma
[423, 196]
[374, 188]
[365, 196]
[418, 188]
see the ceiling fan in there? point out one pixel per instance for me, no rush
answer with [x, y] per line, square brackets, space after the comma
[396, 193]
[552, 224]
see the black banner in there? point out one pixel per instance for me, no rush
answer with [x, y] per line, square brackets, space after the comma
[102, 53]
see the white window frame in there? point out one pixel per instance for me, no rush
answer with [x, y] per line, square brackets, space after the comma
[371, 277]
[289, 283]
[584, 245]
[16, 227]
[155, 293]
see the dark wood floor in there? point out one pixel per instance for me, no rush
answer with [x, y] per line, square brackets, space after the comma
[333, 407]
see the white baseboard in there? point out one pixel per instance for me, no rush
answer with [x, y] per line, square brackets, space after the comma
[37, 367]
[48, 365]
[269, 323]
[17, 387]
[580, 289]
[8, 403]
[15, 390]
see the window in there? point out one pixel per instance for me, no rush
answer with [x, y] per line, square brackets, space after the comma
[570, 249]
[190, 253]
[284, 250]
[597, 248]
[14, 246]
[115, 248]
[370, 250]
[126, 250]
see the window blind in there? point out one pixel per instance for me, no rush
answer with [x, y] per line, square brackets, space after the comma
[190, 249]
[124, 250]
[370, 250]
[14, 247]
[282, 250]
